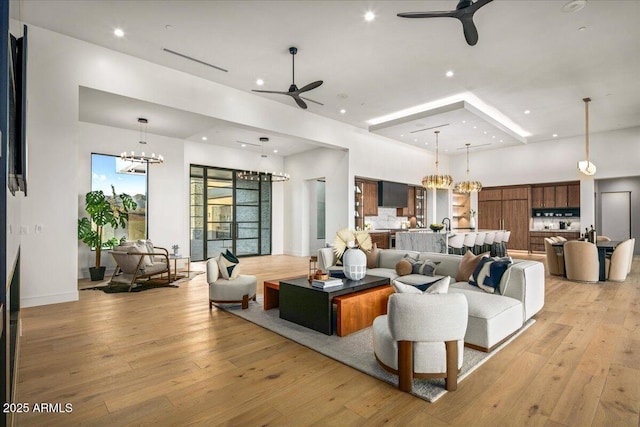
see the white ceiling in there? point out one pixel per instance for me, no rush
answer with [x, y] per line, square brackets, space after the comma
[530, 56]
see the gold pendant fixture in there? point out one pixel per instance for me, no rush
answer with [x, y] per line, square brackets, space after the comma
[437, 181]
[466, 187]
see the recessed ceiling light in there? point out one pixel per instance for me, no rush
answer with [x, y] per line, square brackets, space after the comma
[118, 32]
[527, 111]
[259, 82]
[415, 140]
[493, 136]
[369, 16]
[485, 132]
[401, 135]
[243, 145]
[275, 151]
[204, 138]
[449, 73]
[500, 140]
[475, 127]
[555, 135]
[343, 111]
[464, 121]
[426, 143]
[574, 6]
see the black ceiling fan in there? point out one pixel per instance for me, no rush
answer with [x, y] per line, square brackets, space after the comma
[293, 91]
[464, 12]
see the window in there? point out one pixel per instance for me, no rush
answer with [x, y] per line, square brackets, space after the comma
[126, 178]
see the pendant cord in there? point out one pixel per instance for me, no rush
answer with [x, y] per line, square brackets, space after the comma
[586, 125]
[437, 153]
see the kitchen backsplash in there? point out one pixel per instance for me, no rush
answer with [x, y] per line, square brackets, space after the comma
[554, 223]
[386, 219]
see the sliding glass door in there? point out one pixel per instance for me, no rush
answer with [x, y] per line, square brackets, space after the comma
[228, 213]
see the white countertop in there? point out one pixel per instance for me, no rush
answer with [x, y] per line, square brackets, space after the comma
[554, 230]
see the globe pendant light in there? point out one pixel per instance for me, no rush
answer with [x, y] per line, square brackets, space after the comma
[466, 187]
[585, 166]
[437, 180]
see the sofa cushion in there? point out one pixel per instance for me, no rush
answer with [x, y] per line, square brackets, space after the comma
[488, 273]
[372, 256]
[468, 264]
[389, 258]
[383, 272]
[403, 267]
[440, 286]
[420, 280]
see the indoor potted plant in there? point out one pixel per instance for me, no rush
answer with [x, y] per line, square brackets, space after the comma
[103, 210]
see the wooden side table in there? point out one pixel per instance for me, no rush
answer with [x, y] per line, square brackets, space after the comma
[271, 292]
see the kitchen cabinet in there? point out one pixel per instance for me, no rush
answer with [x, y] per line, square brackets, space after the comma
[381, 239]
[566, 195]
[506, 208]
[536, 238]
[415, 201]
[370, 207]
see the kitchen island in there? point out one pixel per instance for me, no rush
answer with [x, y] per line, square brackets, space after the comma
[422, 241]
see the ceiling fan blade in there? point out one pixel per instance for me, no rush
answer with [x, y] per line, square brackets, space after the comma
[477, 5]
[310, 86]
[311, 100]
[299, 101]
[448, 14]
[469, 28]
[270, 91]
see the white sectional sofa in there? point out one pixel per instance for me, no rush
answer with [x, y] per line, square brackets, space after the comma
[492, 317]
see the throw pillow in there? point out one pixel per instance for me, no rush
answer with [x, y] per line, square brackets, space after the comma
[403, 267]
[489, 272]
[425, 267]
[439, 287]
[142, 248]
[403, 288]
[372, 256]
[467, 265]
[229, 263]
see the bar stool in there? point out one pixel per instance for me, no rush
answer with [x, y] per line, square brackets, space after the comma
[505, 241]
[455, 244]
[479, 242]
[488, 241]
[469, 242]
[496, 247]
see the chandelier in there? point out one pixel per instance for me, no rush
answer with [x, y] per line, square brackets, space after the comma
[585, 166]
[141, 157]
[466, 187]
[259, 174]
[437, 180]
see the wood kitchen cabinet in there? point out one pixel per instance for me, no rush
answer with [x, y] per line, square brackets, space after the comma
[573, 195]
[506, 208]
[370, 202]
[381, 239]
[566, 195]
[415, 200]
[536, 238]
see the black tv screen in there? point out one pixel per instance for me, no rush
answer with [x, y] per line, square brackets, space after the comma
[17, 141]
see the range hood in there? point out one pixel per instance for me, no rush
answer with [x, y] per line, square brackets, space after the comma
[392, 194]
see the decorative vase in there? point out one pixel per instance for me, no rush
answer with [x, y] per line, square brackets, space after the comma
[354, 263]
[472, 223]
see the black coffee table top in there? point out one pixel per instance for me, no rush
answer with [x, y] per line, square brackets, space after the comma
[348, 285]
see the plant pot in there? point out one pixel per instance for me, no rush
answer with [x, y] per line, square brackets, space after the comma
[97, 273]
[355, 264]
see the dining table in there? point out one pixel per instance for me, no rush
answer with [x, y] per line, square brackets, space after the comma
[604, 248]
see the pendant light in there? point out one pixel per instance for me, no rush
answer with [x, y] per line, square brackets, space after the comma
[263, 175]
[437, 180]
[141, 157]
[585, 166]
[466, 187]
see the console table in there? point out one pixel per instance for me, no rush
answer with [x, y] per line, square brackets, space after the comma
[313, 308]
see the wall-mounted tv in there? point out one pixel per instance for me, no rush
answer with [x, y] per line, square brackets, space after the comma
[17, 143]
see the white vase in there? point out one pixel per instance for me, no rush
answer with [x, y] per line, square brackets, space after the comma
[354, 263]
[472, 223]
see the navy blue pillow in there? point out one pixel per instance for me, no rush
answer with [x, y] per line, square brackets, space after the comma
[489, 272]
[233, 260]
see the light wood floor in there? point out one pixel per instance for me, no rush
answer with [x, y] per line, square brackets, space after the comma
[160, 357]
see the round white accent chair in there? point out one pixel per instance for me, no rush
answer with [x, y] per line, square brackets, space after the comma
[422, 336]
[224, 291]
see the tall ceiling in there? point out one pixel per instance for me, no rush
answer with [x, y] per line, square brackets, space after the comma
[531, 56]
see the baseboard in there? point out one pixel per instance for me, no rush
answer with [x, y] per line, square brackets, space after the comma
[48, 299]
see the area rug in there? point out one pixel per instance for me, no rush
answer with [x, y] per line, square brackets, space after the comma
[141, 286]
[356, 350]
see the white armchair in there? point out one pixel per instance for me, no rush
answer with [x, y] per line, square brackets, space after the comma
[139, 260]
[422, 336]
[238, 290]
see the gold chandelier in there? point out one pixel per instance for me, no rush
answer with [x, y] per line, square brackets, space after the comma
[437, 180]
[585, 166]
[258, 174]
[141, 157]
[466, 187]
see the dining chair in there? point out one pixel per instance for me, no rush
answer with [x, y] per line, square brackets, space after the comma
[488, 240]
[469, 242]
[456, 242]
[581, 261]
[496, 246]
[505, 241]
[555, 260]
[477, 247]
[618, 266]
